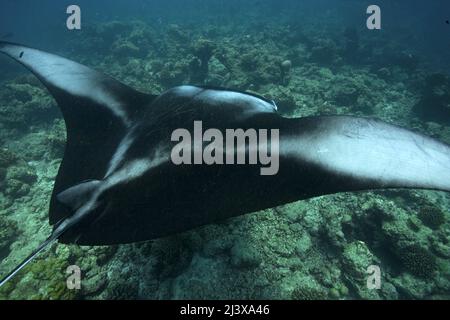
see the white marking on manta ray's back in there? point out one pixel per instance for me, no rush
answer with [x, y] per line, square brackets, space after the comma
[187, 90]
[216, 97]
[132, 170]
[388, 154]
[70, 76]
[119, 155]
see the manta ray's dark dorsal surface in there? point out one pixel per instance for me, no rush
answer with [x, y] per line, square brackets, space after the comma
[117, 183]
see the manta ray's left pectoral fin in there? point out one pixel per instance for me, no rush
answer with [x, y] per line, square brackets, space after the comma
[78, 88]
[98, 110]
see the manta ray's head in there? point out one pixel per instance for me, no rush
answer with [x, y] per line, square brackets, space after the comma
[221, 96]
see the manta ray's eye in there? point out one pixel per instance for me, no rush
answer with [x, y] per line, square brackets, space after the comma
[21, 54]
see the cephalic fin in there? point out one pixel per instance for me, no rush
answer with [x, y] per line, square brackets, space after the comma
[78, 195]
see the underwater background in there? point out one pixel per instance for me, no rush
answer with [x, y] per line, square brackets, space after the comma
[313, 57]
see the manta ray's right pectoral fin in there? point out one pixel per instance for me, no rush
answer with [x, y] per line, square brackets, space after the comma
[98, 111]
[351, 153]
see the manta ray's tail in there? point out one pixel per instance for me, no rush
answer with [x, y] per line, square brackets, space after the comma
[28, 259]
[60, 228]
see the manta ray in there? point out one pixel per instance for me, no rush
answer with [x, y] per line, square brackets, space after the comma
[117, 184]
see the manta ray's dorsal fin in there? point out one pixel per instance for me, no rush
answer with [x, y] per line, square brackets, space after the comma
[98, 111]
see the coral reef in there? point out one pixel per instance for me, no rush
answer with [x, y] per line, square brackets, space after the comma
[26, 104]
[18, 180]
[309, 293]
[123, 291]
[313, 249]
[7, 158]
[8, 232]
[324, 52]
[286, 67]
[244, 255]
[203, 51]
[419, 261]
[171, 256]
[356, 258]
[431, 216]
